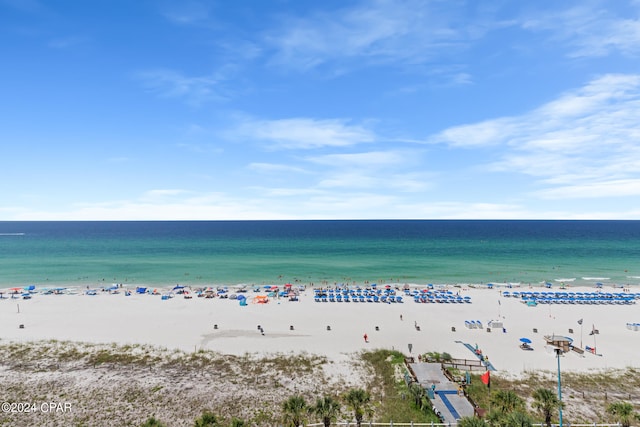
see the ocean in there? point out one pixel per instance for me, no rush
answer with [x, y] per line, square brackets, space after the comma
[165, 253]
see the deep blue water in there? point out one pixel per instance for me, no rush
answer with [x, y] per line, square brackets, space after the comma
[230, 252]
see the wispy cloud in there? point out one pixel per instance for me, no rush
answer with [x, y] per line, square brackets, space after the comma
[67, 42]
[590, 30]
[581, 144]
[275, 168]
[172, 84]
[160, 194]
[303, 133]
[380, 31]
[592, 190]
[369, 160]
[186, 12]
[29, 6]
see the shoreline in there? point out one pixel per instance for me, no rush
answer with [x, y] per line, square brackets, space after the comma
[553, 284]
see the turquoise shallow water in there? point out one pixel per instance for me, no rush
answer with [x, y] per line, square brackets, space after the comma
[231, 252]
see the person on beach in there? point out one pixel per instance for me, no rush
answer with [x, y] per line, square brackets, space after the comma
[366, 338]
[401, 317]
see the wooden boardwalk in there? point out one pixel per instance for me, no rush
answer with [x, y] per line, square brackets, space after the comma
[446, 401]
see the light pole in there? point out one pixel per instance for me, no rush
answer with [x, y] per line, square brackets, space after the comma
[558, 353]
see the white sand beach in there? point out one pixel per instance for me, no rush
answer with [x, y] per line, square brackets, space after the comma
[189, 324]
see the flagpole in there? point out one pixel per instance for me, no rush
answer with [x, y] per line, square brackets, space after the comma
[581, 335]
[558, 352]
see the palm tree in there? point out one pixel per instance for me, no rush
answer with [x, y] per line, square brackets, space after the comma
[516, 419]
[207, 419]
[622, 413]
[417, 392]
[237, 422]
[472, 422]
[358, 400]
[506, 401]
[546, 401]
[327, 408]
[503, 403]
[152, 422]
[294, 410]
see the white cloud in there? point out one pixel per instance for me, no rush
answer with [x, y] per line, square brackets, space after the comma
[67, 42]
[592, 31]
[185, 12]
[593, 190]
[275, 168]
[28, 6]
[378, 32]
[585, 142]
[490, 132]
[163, 194]
[370, 160]
[172, 84]
[303, 133]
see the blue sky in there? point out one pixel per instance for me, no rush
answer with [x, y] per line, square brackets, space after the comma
[281, 109]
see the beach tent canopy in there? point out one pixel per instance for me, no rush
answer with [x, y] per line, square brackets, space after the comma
[261, 299]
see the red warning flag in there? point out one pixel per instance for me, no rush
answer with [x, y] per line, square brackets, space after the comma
[486, 379]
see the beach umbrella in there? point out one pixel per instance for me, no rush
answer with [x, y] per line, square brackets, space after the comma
[525, 340]
[178, 287]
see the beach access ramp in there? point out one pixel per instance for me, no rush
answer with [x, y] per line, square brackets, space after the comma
[446, 399]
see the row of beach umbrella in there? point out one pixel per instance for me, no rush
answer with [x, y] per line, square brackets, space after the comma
[323, 296]
[575, 297]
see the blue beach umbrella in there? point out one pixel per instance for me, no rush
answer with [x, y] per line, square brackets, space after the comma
[525, 340]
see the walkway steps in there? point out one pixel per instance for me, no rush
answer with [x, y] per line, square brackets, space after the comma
[446, 401]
